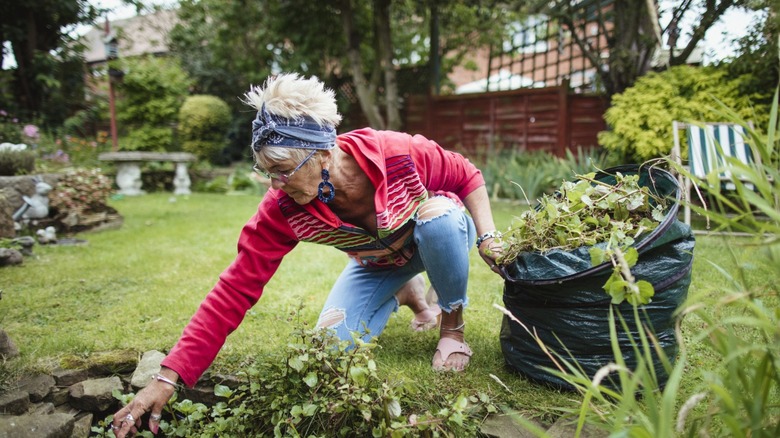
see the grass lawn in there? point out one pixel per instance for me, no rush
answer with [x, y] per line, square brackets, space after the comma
[136, 287]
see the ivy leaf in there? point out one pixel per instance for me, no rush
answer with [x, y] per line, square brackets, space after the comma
[394, 408]
[222, 391]
[632, 256]
[597, 256]
[586, 200]
[658, 213]
[296, 411]
[309, 410]
[295, 363]
[311, 379]
[358, 375]
[616, 287]
[646, 292]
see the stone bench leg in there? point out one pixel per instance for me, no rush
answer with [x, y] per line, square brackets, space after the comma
[181, 181]
[128, 178]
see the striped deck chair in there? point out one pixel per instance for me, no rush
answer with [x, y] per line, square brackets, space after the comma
[708, 144]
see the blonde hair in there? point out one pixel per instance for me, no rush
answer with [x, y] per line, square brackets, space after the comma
[290, 95]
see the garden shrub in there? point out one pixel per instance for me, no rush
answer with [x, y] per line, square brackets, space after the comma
[640, 119]
[14, 162]
[81, 190]
[151, 93]
[10, 130]
[203, 125]
[527, 175]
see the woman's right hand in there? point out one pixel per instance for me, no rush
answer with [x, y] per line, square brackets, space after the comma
[153, 398]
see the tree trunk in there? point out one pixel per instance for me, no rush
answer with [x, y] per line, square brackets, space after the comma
[632, 44]
[366, 95]
[382, 22]
[24, 52]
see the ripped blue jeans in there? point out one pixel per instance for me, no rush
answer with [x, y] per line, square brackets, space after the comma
[363, 298]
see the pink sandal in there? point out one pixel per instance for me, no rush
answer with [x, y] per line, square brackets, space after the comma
[446, 347]
[424, 321]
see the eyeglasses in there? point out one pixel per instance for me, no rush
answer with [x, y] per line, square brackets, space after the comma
[283, 177]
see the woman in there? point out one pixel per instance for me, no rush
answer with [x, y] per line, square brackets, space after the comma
[389, 200]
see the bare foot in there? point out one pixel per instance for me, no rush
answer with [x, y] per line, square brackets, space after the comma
[412, 294]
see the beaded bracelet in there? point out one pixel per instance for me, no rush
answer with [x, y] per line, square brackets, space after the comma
[161, 378]
[489, 235]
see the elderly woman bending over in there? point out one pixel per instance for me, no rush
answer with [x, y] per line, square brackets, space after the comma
[391, 201]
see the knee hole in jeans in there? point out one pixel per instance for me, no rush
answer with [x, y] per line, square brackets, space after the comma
[331, 318]
[435, 207]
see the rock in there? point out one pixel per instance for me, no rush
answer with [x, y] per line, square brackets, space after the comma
[10, 257]
[39, 426]
[567, 427]
[37, 386]
[82, 427]
[14, 402]
[95, 395]
[69, 377]
[104, 363]
[506, 426]
[8, 348]
[43, 409]
[147, 367]
[26, 243]
[7, 230]
[58, 396]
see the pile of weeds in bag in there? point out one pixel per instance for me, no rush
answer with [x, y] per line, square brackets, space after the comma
[607, 241]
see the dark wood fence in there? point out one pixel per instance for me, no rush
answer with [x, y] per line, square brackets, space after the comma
[550, 119]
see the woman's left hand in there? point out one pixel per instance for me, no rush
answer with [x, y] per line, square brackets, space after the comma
[491, 250]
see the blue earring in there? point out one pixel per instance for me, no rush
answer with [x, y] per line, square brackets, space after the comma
[326, 197]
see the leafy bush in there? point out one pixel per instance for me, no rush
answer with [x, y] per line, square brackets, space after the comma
[640, 119]
[14, 162]
[524, 175]
[151, 93]
[203, 124]
[521, 175]
[73, 151]
[321, 387]
[10, 130]
[81, 190]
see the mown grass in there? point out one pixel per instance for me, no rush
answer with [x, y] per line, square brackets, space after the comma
[136, 287]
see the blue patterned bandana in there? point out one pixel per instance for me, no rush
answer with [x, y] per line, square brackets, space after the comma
[299, 132]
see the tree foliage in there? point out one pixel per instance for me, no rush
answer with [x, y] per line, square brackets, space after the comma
[756, 59]
[359, 48]
[47, 75]
[634, 33]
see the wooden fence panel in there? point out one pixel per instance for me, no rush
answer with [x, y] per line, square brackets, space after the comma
[549, 119]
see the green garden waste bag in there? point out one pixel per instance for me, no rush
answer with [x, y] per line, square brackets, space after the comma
[560, 295]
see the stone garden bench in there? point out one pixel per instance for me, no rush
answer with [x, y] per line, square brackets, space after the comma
[128, 169]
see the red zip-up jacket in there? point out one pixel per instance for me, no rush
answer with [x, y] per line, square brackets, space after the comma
[404, 169]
